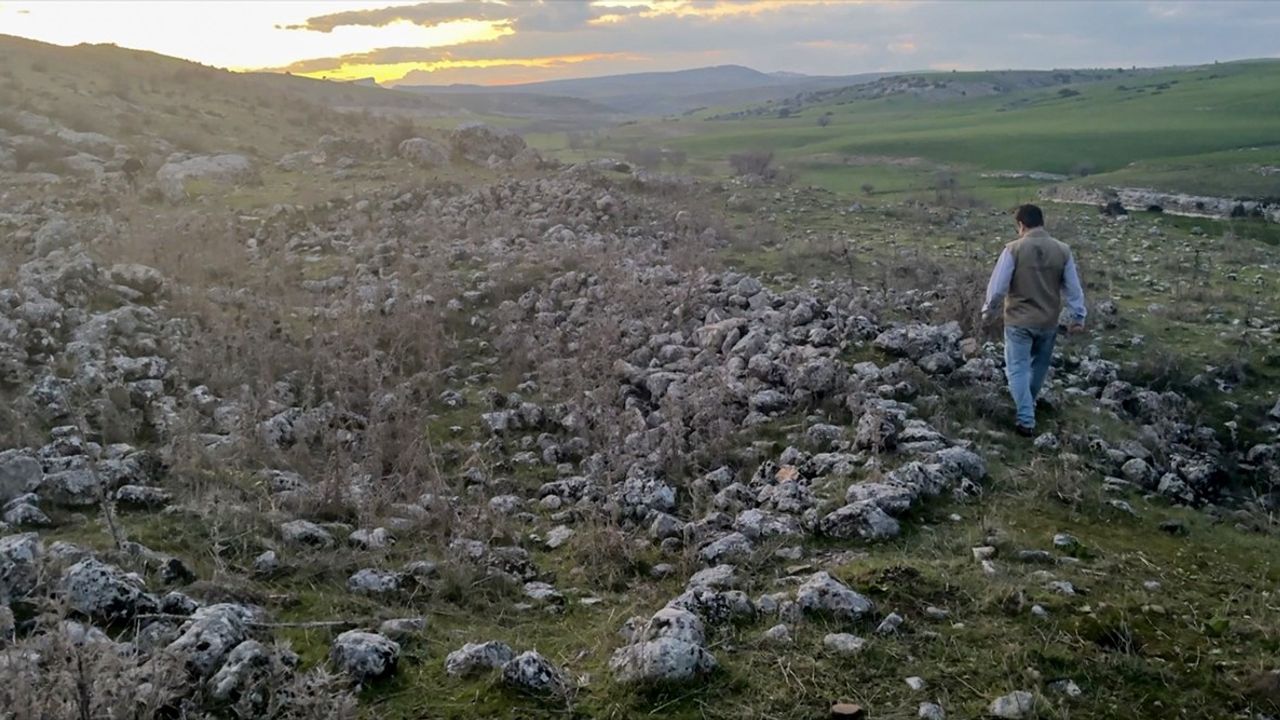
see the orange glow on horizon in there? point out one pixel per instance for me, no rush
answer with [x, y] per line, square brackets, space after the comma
[392, 72]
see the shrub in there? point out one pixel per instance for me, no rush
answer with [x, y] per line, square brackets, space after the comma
[401, 129]
[1083, 168]
[752, 162]
[645, 157]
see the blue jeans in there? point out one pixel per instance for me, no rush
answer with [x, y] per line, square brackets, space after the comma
[1027, 352]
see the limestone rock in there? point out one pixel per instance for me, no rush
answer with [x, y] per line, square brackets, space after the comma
[823, 594]
[531, 673]
[105, 592]
[365, 656]
[477, 657]
[665, 659]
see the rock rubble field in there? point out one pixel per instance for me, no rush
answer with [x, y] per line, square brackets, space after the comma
[564, 439]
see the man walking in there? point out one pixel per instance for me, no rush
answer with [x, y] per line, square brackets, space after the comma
[1034, 275]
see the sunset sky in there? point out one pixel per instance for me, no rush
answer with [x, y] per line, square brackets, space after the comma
[529, 40]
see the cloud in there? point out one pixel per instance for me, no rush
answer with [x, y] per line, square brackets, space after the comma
[818, 37]
[532, 15]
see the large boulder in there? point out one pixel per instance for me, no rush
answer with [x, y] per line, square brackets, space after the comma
[79, 487]
[305, 532]
[916, 341]
[19, 472]
[143, 279]
[56, 234]
[223, 170]
[105, 592]
[365, 656]
[246, 668]
[864, 519]
[478, 143]
[823, 594]
[666, 659]
[425, 152]
[209, 636]
[19, 565]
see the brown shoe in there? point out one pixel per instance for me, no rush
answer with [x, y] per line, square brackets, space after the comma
[1023, 430]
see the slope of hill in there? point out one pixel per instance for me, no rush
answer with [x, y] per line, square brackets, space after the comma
[937, 87]
[150, 101]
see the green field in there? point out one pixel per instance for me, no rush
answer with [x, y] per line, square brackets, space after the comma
[1207, 130]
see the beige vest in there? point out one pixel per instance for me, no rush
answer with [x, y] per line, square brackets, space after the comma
[1035, 298]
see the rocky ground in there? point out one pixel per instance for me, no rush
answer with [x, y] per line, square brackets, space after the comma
[502, 437]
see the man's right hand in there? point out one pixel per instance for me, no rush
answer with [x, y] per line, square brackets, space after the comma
[1076, 328]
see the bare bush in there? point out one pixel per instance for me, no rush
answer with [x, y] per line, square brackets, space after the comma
[752, 162]
[644, 156]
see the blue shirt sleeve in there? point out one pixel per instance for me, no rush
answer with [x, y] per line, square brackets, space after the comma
[1072, 290]
[998, 286]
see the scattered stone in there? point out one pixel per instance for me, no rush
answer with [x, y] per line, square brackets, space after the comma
[304, 532]
[558, 536]
[843, 643]
[141, 496]
[1017, 704]
[365, 656]
[531, 673]
[890, 625]
[847, 711]
[778, 635]
[371, 539]
[105, 592]
[823, 594]
[371, 581]
[20, 558]
[210, 635]
[1065, 541]
[931, 711]
[401, 630]
[661, 660]
[1066, 687]
[266, 564]
[477, 657]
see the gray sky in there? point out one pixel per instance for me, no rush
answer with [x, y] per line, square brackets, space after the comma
[524, 40]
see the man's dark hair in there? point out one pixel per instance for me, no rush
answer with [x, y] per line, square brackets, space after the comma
[1029, 215]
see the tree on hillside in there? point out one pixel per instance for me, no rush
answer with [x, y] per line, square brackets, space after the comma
[824, 120]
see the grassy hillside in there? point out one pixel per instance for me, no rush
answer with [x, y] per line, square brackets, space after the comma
[1175, 123]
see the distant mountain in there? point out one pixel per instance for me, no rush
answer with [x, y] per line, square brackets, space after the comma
[663, 93]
